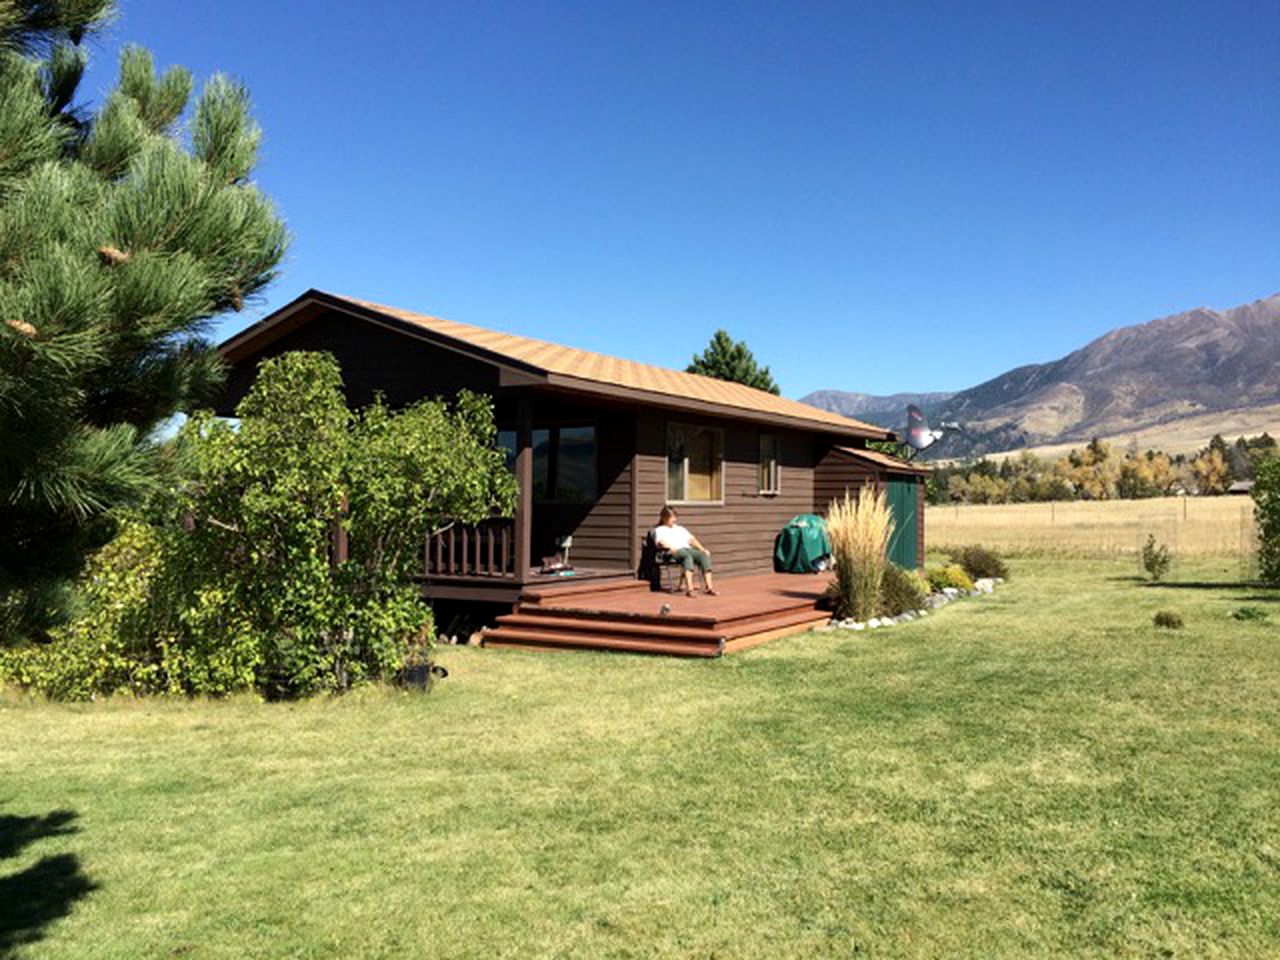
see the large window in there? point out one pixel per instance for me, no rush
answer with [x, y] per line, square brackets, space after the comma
[770, 473]
[564, 462]
[695, 464]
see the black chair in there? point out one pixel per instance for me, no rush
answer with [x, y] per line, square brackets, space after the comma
[659, 566]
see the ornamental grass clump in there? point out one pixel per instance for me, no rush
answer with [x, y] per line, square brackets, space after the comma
[859, 529]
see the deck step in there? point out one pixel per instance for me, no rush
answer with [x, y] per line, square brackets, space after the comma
[708, 620]
[546, 621]
[793, 618]
[562, 640]
[577, 591]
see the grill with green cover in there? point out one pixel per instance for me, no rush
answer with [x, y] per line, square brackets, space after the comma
[801, 544]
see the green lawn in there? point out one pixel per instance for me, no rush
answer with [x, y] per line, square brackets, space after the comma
[1038, 773]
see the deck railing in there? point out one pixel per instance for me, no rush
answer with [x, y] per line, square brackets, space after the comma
[486, 549]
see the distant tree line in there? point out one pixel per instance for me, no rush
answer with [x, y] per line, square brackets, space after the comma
[1099, 471]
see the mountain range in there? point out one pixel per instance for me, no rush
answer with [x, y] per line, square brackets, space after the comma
[1175, 377]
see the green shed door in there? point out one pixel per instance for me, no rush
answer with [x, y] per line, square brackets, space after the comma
[902, 501]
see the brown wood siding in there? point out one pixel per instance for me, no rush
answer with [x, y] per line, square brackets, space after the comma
[740, 532]
[372, 359]
[837, 472]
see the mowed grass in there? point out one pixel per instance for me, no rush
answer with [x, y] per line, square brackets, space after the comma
[1191, 526]
[1038, 773]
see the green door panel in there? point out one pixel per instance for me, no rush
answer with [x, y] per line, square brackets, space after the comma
[902, 501]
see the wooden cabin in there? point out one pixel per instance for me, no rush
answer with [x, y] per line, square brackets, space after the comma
[598, 446]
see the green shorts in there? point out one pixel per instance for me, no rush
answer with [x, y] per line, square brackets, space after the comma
[690, 558]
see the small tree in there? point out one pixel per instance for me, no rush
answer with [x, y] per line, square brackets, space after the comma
[1266, 511]
[239, 582]
[263, 501]
[1155, 557]
[726, 359]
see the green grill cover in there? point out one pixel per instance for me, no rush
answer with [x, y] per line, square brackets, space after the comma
[801, 544]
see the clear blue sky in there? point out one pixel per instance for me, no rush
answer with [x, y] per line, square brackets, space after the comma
[877, 197]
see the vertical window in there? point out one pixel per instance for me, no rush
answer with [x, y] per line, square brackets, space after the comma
[564, 462]
[695, 464]
[576, 464]
[542, 464]
[770, 473]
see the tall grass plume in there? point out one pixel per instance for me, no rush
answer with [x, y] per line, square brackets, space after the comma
[859, 529]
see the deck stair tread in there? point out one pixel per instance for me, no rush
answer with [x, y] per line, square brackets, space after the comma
[626, 615]
[594, 625]
[507, 636]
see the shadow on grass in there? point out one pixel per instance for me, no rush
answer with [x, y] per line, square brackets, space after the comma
[1266, 594]
[46, 891]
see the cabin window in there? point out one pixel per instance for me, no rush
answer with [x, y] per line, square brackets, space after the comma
[770, 473]
[695, 464]
[564, 462]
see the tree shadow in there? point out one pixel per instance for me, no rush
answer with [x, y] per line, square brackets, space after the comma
[1264, 594]
[32, 899]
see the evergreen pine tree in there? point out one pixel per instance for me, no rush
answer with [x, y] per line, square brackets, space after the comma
[123, 232]
[726, 359]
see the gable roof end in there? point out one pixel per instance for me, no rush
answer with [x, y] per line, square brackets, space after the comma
[570, 368]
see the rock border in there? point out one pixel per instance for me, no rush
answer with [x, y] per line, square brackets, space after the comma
[934, 601]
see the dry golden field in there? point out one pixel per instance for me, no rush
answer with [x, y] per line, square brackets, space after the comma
[1190, 526]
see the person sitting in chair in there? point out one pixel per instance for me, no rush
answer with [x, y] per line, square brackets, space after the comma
[686, 549]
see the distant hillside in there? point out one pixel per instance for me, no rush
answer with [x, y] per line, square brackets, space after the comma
[1192, 365]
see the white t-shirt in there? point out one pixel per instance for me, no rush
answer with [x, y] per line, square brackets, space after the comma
[673, 538]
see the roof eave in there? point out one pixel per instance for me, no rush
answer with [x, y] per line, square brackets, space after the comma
[673, 402]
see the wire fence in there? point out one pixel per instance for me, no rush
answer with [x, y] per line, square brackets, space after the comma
[1189, 526]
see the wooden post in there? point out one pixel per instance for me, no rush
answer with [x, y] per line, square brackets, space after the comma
[634, 512]
[523, 533]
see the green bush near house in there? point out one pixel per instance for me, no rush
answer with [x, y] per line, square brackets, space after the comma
[901, 591]
[980, 562]
[952, 575]
[235, 584]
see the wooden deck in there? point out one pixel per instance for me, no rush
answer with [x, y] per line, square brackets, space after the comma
[624, 614]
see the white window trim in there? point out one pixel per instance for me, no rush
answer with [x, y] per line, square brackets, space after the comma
[776, 489]
[684, 473]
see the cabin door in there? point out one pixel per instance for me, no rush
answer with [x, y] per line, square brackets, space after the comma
[902, 502]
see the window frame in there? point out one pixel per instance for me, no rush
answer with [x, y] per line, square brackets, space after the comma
[773, 469]
[553, 459]
[684, 474]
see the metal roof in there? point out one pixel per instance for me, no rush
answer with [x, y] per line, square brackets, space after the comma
[895, 464]
[571, 368]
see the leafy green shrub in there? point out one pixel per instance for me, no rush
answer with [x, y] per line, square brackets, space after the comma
[980, 563]
[131, 632]
[237, 584]
[901, 590]
[1168, 620]
[1155, 557]
[949, 576]
[1266, 512]
[1249, 613]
